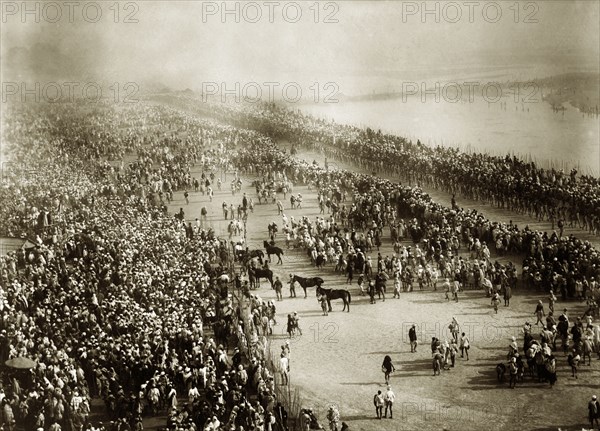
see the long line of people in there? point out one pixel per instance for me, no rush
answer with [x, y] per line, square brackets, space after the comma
[113, 299]
[437, 231]
[505, 181]
[534, 190]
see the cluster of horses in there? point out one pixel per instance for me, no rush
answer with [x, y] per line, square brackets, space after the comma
[330, 294]
[248, 260]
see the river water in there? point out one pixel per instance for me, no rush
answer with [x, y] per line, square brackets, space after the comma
[528, 130]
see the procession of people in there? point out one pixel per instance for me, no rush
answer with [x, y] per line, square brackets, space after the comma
[120, 301]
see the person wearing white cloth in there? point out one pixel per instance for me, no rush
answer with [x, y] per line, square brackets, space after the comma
[389, 399]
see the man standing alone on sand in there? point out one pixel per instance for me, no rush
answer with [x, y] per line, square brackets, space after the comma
[594, 411]
[412, 336]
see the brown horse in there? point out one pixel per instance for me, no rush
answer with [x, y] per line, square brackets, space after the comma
[330, 294]
[306, 282]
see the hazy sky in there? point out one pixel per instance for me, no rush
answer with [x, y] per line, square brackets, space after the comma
[373, 45]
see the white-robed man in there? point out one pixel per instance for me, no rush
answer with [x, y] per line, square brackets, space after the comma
[389, 399]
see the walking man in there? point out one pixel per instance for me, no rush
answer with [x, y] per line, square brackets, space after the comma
[284, 368]
[454, 328]
[378, 402]
[464, 346]
[455, 289]
[389, 399]
[496, 302]
[513, 372]
[551, 301]
[573, 360]
[539, 312]
[507, 295]
[278, 286]
[453, 351]
[594, 411]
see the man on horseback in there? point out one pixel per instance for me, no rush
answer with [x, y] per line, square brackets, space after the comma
[273, 231]
[272, 249]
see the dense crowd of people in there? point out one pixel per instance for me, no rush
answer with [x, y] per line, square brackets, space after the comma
[437, 231]
[118, 300]
[553, 260]
[508, 182]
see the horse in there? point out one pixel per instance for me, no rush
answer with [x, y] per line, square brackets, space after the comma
[306, 282]
[271, 249]
[258, 273]
[247, 255]
[342, 294]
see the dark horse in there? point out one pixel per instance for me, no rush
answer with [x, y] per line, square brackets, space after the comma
[342, 294]
[248, 255]
[271, 249]
[258, 273]
[306, 282]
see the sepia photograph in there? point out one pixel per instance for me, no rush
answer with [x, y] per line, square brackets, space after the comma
[279, 215]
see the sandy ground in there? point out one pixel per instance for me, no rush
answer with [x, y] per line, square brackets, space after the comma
[338, 357]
